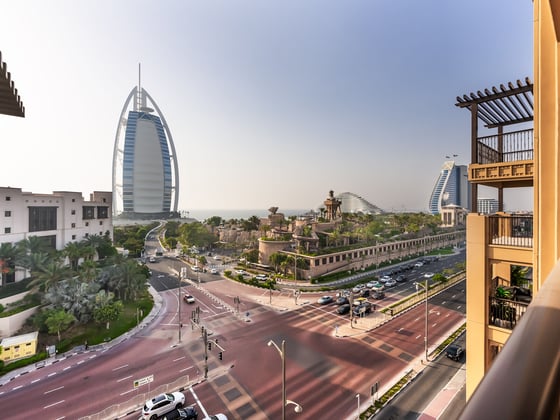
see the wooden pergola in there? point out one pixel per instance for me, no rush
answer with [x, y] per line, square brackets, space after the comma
[10, 102]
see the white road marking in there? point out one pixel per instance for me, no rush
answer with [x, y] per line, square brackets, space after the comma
[52, 390]
[120, 367]
[52, 405]
[124, 379]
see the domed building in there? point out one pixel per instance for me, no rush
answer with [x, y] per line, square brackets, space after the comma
[353, 203]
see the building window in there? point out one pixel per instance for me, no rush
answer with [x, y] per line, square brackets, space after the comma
[7, 230]
[73, 225]
[102, 212]
[7, 213]
[8, 198]
[73, 212]
[42, 218]
[73, 200]
[88, 212]
[73, 237]
[87, 224]
[100, 222]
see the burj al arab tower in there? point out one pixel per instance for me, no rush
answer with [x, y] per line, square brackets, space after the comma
[145, 170]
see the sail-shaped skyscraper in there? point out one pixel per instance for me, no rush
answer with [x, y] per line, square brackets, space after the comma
[451, 187]
[145, 169]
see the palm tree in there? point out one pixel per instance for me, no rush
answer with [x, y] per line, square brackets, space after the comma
[74, 252]
[9, 254]
[50, 274]
[88, 271]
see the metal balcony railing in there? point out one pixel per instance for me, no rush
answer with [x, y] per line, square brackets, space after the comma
[510, 230]
[506, 313]
[508, 147]
[524, 380]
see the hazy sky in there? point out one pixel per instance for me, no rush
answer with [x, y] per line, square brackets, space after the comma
[270, 103]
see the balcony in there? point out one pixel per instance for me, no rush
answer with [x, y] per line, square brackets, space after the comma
[504, 158]
[506, 313]
[524, 379]
[510, 230]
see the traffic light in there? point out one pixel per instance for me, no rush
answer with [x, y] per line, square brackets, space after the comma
[210, 345]
[220, 355]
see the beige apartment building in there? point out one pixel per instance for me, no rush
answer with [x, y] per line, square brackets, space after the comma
[510, 257]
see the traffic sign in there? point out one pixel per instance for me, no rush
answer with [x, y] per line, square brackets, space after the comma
[143, 381]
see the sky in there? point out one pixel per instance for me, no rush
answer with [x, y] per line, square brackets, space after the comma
[270, 103]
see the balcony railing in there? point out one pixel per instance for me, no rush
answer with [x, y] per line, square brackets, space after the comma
[508, 147]
[511, 230]
[524, 379]
[506, 313]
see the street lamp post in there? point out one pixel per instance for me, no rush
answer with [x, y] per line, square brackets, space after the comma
[282, 351]
[358, 397]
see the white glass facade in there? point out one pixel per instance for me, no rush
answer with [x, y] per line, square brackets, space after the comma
[451, 187]
[145, 172]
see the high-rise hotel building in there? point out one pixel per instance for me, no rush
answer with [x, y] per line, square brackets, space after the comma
[451, 188]
[145, 169]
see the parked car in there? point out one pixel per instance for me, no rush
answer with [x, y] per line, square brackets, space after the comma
[371, 284]
[343, 309]
[162, 404]
[429, 275]
[189, 298]
[365, 293]
[342, 300]
[213, 271]
[261, 277]
[418, 264]
[401, 278]
[324, 300]
[390, 283]
[364, 308]
[242, 272]
[454, 352]
[152, 259]
[378, 288]
[187, 413]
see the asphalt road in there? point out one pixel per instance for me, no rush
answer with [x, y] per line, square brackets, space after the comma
[321, 370]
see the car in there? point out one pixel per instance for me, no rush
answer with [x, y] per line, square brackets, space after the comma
[189, 298]
[242, 272]
[196, 268]
[454, 352]
[378, 294]
[162, 404]
[378, 288]
[365, 293]
[187, 413]
[390, 283]
[219, 416]
[343, 309]
[359, 301]
[342, 300]
[217, 257]
[401, 278]
[325, 300]
[358, 288]
[418, 264]
[372, 284]
[261, 277]
[429, 275]
[364, 308]
[213, 271]
[152, 259]
[385, 279]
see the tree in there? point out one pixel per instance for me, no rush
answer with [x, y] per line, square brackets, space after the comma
[106, 310]
[214, 221]
[49, 275]
[276, 259]
[8, 256]
[58, 320]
